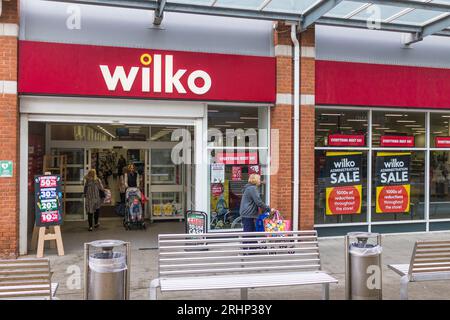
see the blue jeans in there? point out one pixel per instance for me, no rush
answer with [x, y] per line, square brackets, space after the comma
[249, 224]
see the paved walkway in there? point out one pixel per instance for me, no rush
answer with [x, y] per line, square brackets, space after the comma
[396, 249]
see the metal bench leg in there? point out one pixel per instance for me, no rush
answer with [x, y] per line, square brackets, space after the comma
[404, 287]
[154, 284]
[244, 294]
[326, 291]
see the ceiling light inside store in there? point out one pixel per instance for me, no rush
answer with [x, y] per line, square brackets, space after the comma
[107, 132]
[223, 125]
[406, 121]
[346, 128]
[417, 128]
[327, 124]
[357, 120]
[332, 114]
[413, 126]
[235, 122]
[248, 118]
[380, 128]
[393, 115]
[323, 130]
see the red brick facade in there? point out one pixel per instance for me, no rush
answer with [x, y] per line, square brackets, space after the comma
[9, 137]
[307, 131]
[282, 120]
[281, 196]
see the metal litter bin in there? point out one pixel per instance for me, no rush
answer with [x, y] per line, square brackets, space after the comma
[363, 276]
[106, 275]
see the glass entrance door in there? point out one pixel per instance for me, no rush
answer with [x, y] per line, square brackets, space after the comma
[74, 182]
[167, 190]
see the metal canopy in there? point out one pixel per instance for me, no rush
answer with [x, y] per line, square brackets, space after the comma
[419, 18]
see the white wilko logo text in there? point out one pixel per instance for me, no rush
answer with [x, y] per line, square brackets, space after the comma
[172, 78]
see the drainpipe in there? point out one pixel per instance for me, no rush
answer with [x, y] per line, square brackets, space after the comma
[295, 204]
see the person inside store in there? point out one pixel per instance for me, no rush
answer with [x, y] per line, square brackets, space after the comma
[251, 202]
[122, 186]
[121, 164]
[93, 191]
[132, 177]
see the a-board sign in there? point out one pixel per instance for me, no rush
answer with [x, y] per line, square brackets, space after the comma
[48, 199]
[196, 222]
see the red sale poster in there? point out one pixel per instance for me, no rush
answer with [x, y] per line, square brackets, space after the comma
[236, 173]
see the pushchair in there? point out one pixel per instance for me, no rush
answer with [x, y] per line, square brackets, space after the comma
[134, 216]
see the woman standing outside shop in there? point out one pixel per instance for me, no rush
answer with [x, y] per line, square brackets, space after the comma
[250, 203]
[92, 189]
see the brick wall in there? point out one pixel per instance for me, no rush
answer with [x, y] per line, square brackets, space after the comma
[307, 130]
[282, 120]
[9, 135]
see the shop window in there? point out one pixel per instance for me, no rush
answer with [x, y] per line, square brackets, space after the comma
[237, 147]
[340, 186]
[440, 130]
[336, 128]
[398, 188]
[398, 129]
[439, 184]
[228, 173]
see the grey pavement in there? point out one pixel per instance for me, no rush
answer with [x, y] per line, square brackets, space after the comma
[396, 249]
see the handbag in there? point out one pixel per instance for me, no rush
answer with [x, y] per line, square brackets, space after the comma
[276, 223]
[259, 223]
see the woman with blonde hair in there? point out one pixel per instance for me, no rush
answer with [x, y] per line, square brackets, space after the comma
[93, 188]
[250, 203]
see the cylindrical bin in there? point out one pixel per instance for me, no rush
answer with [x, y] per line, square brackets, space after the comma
[106, 270]
[363, 274]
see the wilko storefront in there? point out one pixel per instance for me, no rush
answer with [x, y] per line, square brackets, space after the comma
[382, 157]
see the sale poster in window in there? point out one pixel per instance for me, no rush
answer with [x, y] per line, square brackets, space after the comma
[393, 182]
[343, 183]
[48, 198]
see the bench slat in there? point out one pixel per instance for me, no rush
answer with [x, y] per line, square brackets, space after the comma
[240, 239]
[237, 245]
[29, 287]
[237, 270]
[245, 281]
[237, 263]
[237, 234]
[242, 251]
[240, 257]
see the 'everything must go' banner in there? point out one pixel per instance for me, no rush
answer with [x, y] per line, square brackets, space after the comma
[343, 183]
[393, 182]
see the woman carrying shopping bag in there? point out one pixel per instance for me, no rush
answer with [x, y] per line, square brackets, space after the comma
[250, 203]
[94, 193]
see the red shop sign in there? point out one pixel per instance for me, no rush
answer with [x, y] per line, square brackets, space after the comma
[237, 157]
[442, 142]
[346, 140]
[87, 70]
[397, 141]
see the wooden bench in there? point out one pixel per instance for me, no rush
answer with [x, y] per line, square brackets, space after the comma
[430, 261]
[238, 260]
[26, 279]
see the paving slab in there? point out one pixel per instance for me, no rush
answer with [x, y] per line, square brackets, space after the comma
[68, 269]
